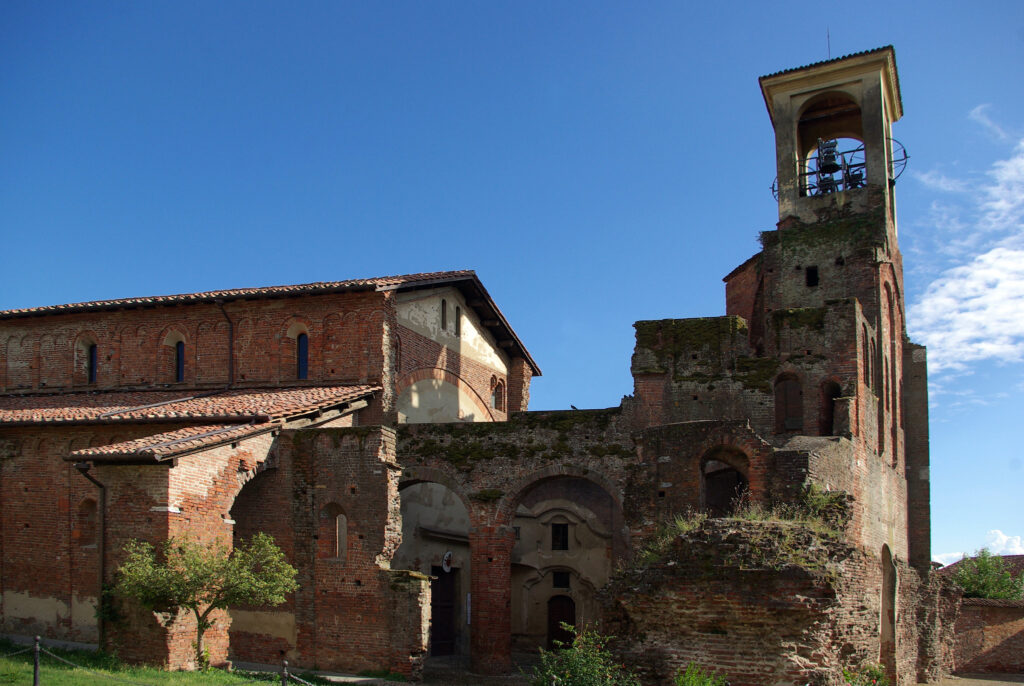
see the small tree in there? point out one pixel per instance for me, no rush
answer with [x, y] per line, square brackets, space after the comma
[203, 578]
[986, 576]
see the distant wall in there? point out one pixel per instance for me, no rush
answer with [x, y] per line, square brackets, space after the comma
[990, 636]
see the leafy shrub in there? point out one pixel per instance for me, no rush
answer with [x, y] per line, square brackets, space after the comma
[866, 675]
[587, 662]
[986, 576]
[694, 675]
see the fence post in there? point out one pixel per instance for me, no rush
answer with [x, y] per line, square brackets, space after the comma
[35, 663]
[284, 673]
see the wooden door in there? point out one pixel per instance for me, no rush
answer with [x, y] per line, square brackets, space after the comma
[442, 611]
[561, 608]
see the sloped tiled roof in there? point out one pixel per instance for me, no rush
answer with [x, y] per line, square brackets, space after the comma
[884, 48]
[169, 444]
[465, 279]
[238, 293]
[238, 405]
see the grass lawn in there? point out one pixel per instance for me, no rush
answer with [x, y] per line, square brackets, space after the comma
[107, 670]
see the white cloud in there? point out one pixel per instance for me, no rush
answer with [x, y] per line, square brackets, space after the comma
[940, 182]
[979, 115]
[999, 543]
[974, 310]
[947, 558]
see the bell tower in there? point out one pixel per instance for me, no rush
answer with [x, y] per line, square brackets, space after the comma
[833, 141]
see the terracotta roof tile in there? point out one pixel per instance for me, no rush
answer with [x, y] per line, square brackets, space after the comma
[380, 282]
[829, 61]
[168, 444]
[239, 405]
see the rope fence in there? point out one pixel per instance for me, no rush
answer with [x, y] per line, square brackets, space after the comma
[38, 651]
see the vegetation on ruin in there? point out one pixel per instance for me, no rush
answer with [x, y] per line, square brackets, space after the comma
[659, 543]
[585, 662]
[866, 675]
[756, 373]
[986, 576]
[103, 669]
[671, 339]
[694, 675]
[823, 512]
[201, 577]
[867, 227]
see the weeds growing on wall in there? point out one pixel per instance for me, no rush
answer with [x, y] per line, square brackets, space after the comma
[867, 675]
[660, 541]
[586, 662]
[694, 675]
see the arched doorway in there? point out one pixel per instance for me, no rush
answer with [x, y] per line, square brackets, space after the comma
[435, 541]
[724, 482]
[254, 628]
[887, 619]
[561, 611]
[830, 390]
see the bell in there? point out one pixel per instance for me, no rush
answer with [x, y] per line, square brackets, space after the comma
[827, 162]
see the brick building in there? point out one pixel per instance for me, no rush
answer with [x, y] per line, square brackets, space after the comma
[378, 430]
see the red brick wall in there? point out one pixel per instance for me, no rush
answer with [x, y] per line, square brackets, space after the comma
[346, 343]
[990, 636]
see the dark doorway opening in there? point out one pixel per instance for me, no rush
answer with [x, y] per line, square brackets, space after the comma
[561, 608]
[442, 611]
[724, 487]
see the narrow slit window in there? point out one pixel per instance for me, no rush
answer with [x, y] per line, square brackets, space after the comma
[179, 361]
[91, 362]
[559, 536]
[444, 314]
[302, 356]
[811, 276]
[458, 321]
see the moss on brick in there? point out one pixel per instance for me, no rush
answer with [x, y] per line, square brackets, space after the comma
[673, 336]
[487, 495]
[800, 318]
[856, 230]
[756, 373]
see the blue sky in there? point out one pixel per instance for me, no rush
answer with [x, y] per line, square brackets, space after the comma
[596, 163]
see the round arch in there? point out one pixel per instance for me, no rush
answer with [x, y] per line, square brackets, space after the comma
[461, 386]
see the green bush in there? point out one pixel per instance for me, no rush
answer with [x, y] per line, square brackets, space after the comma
[986, 576]
[587, 662]
[866, 675]
[694, 675]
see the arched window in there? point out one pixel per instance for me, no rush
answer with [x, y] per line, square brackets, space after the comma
[866, 354]
[827, 416]
[789, 406]
[458, 321]
[498, 396]
[302, 356]
[91, 363]
[332, 539]
[179, 361]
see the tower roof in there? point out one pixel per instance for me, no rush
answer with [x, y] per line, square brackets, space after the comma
[827, 71]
